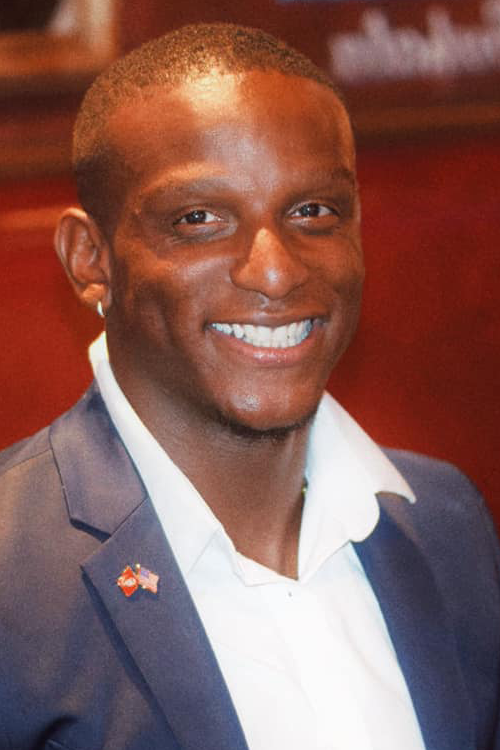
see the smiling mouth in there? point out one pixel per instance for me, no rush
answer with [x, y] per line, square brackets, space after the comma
[281, 337]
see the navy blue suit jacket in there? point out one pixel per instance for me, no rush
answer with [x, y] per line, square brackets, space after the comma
[83, 667]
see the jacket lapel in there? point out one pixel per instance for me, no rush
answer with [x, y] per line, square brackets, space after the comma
[163, 632]
[419, 627]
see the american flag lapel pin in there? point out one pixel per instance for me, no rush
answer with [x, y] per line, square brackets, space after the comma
[146, 579]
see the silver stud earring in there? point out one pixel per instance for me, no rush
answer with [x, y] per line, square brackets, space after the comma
[99, 309]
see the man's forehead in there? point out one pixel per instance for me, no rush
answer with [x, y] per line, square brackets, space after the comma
[216, 92]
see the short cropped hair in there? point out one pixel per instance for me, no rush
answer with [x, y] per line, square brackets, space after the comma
[189, 52]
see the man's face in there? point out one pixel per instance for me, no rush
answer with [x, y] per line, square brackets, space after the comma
[237, 268]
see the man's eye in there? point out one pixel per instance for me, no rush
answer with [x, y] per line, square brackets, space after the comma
[313, 210]
[198, 216]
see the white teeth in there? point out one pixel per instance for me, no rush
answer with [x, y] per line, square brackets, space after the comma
[300, 328]
[263, 337]
[291, 333]
[238, 331]
[281, 337]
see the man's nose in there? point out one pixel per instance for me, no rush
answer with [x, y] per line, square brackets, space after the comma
[269, 267]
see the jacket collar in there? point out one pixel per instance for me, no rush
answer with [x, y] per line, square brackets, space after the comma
[100, 483]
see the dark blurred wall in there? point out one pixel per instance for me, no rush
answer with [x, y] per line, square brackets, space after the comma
[22, 15]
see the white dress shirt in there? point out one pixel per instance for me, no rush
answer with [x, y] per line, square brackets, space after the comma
[309, 663]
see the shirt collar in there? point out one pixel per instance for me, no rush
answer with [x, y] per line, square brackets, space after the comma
[345, 471]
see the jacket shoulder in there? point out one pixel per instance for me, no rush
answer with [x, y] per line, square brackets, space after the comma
[24, 450]
[32, 447]
[436, 480]
[450, 514]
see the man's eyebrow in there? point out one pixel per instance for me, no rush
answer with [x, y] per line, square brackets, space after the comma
[339, 174]
[324, 179]
[186, 184]
[345, 174]
[193, 183]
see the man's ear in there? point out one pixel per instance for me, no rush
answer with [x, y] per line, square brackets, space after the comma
[85, 255]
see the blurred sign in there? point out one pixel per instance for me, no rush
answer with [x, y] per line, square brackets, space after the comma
[421, 65]
[379, 50]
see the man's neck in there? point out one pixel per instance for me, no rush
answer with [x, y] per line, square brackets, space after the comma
[254, 487]
[252, 482]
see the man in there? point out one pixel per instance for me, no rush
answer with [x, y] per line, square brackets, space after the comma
[205, 552]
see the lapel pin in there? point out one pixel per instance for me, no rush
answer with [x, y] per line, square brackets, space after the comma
[127, 581]
[130, 580]
[146, 579]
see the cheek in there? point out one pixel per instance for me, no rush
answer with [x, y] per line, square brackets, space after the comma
[343, 282]
[343, 274]
[351, 296]
[140, 299]
[351, 299]
[163, 298]
[354, 283]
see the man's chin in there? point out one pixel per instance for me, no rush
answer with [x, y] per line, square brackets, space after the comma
[251, 432]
